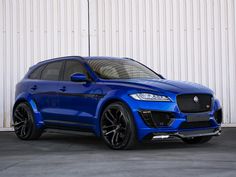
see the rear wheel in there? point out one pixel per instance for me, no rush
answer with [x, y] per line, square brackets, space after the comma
[117, 127]
[197, 140]
[24, 124]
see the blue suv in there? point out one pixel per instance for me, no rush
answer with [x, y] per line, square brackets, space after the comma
[118, 99]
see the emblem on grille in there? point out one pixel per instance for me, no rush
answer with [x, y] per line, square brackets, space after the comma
[196, 99]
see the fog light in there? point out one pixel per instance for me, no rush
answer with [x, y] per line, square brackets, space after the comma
[161, 137]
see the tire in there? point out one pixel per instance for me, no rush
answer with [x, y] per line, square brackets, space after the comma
[117, 127]
[197, 140]
[24, 123]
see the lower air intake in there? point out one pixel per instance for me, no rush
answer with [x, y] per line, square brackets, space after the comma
[190, 125]
[156, 119]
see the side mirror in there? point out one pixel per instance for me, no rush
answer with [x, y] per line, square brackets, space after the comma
[77, 77]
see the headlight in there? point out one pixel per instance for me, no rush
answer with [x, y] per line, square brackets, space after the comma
[149, 97]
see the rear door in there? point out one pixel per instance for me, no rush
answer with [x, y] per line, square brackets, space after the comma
[44, 90]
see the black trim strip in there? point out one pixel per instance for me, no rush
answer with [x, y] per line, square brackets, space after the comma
[64, 128]
[85, 95]
[67, 122]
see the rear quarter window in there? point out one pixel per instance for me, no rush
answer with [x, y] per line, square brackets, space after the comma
[36, 73]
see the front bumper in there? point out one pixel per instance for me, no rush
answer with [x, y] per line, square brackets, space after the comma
[182, 125]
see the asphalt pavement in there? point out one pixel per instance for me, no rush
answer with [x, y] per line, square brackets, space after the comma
[70, 155]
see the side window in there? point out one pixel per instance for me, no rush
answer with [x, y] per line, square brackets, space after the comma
[72, 67]
[36, 73]
[52, 71]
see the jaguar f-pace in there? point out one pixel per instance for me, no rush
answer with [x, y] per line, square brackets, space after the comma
[118, 99]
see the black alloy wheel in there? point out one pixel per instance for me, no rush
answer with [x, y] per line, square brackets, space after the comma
[117, 127]
[24, 125]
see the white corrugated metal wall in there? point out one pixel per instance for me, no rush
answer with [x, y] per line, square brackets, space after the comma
[190, 40]
[34, 30]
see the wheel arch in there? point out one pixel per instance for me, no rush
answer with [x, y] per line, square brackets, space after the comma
[29, 100]
[17, 102]
[102, 107]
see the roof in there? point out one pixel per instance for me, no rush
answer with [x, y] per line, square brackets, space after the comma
[77, 57]
[81, 57]
[104, 57]
[59, 58]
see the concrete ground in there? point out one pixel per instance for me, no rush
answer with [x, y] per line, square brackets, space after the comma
[86, 156]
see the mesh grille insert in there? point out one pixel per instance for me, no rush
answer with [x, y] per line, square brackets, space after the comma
[193, 103]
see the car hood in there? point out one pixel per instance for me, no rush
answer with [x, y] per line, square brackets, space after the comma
[163, 85]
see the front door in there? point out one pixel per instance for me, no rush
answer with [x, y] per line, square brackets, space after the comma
[77, 100]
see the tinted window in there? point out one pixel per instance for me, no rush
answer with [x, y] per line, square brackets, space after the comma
[72, 67]
[52, 71]
[121, 69]
[36, 73]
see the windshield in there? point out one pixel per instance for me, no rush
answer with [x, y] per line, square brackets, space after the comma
[121, 69]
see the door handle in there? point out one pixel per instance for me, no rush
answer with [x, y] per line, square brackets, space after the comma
[34, 87]
[63, 89]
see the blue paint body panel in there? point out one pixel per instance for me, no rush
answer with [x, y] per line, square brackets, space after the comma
[81, 104]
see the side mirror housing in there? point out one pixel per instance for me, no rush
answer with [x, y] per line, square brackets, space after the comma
[78, 77]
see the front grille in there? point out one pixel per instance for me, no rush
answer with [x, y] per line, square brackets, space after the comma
[156, 119]
[193, 103]
[189, 125]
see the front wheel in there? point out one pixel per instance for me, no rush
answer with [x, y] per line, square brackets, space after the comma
[24, 124]
[117, 127]
[197, 140]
